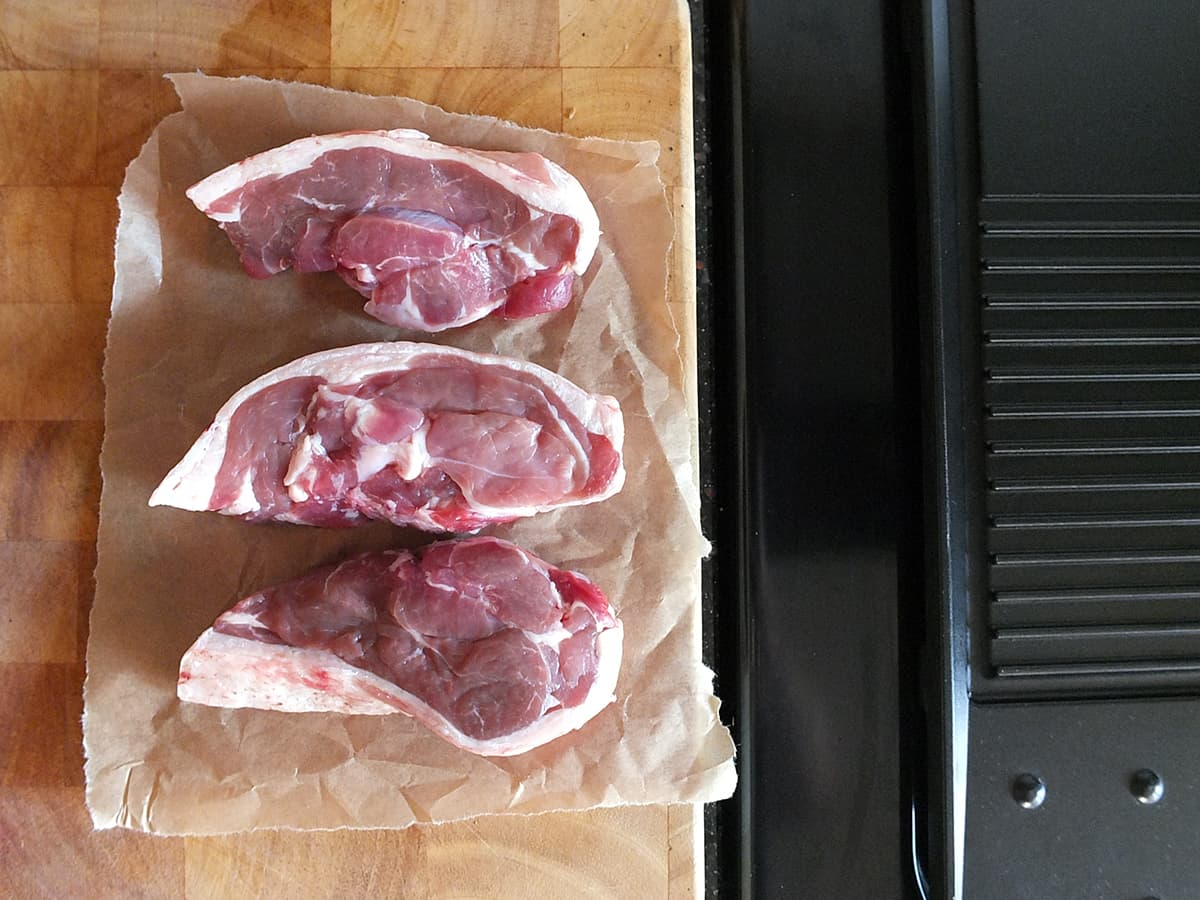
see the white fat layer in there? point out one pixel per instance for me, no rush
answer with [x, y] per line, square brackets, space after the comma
[509, 247]
[374, 459]
[523, 255]
[319, 204]
[244, 501]
[190, 484]
[406, 309]
[565, 195]
[417, 454]
[552, 638]
[309, 448]
[233, 617]
[409, 457]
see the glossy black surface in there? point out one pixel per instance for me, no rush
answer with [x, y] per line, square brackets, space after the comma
[1087, 97]
[1063, 292]
[1028, 171]
[813, 478]
[1093, 835]
[944, 198]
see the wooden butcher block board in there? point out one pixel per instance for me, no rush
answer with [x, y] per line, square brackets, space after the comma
[80, 89]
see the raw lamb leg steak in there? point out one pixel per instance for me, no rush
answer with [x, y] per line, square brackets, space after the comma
[490, 647]
[416, 434]
[435, 236]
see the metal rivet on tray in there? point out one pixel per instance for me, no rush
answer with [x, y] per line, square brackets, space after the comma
[1146, 785]
[1029, 790]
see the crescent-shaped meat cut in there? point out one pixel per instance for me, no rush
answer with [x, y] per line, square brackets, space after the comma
[435, 236]
[415, 434]
[491, 648]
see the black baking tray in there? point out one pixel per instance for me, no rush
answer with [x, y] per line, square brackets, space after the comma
[950, 349]
[1062, 167]
[810, 445]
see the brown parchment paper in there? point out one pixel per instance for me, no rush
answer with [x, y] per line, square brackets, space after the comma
[188, 328]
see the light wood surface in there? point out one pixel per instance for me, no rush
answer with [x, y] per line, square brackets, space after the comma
[80, 89]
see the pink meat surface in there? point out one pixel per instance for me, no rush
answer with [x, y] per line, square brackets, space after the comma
[415, 434]
[490, 647]
[435, 236]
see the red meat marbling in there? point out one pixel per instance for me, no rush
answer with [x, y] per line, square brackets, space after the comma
[435, 236]
[415, 434]
[490, 647]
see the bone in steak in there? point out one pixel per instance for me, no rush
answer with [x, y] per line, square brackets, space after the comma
[435, 236]
[416, 434]
[490, 647]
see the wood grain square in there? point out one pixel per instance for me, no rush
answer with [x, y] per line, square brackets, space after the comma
[85, 594]
[685, 847]
[48, 849]
[681, 297]
[47, 127]
[40, 601]
[437, 33]
[33, 703]
[269, 864]
[30, 43]
[307, 75]
[650, 33]
[73, 739]
[531, 97]
[137, 34]
[56, 245]
[49, 480]
[538, 856]
[681, 273]
[50, 361]
[131, 104]
[628, 104]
